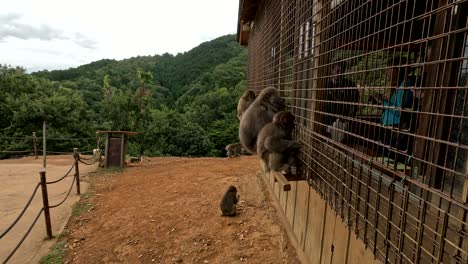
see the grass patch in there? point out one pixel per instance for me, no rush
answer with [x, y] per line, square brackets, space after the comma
[80, 208]
[56, 255]
[64, 234]
[82, 205]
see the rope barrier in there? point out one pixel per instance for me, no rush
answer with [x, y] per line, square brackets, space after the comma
[24, 237]
[49, 138]
[41, 151]
[16, 151]
[69, 191]
[93, 157]
[25, 137]
[68, 172]
[71, 139]
[57, 152]
[8, 229]
[65, 152]
[86, 159]
[88, 163]
[21, 213]
[88, 151]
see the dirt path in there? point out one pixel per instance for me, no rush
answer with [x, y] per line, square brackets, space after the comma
[167, 211]
[18, 178]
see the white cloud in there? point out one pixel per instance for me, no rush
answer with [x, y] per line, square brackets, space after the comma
[9, 27]
[84, 42]
[51, 30]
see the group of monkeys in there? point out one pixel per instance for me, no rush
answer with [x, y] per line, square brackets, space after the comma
[265, 129]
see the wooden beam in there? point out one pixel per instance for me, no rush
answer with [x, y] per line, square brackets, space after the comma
[423, 146]
[122, 150]
[106, 154]
[285, 185]
[244, 33]
[462, 243]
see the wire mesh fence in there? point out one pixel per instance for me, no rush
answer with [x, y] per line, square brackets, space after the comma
[379, 90]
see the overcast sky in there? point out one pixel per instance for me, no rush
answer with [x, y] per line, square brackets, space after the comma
[58, 34]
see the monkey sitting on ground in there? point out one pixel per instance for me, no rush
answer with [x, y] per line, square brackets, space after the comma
[134, 160]
[244, 102]
[260, 112]
[275, 145]
[233, 150]
[229, 202]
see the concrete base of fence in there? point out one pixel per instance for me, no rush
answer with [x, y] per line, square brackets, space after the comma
[317, 233]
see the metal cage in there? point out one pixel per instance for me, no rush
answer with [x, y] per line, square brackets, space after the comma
[379, 90]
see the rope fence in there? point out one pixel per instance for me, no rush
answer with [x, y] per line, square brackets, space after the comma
[24, 237]
[16, 151]
[85, 163]
[63, 177]
[49, 138]
[45, 198]
[91, 158]
[26, 141]
[66, 196]
[21, 213]
[40, 151]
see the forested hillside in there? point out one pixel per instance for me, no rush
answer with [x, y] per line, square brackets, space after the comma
[183, 105]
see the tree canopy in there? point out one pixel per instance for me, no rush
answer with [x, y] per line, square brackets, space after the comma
[182, 105]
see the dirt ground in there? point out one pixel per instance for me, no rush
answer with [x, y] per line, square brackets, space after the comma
[18, 178]
[167, 211]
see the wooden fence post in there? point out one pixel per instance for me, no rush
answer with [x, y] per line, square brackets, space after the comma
[76, 156]
[45, 201]
[35, 144]
[44, 143]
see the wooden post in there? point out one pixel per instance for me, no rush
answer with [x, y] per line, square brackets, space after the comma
[76, 155]
[98, 142]
[106, 153]
[122, 150]
[45, 201]
[35, 144]
[44, 135]
[98, 139]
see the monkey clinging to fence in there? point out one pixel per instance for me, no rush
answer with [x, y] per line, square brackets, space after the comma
[260, 112]
[233, 150]
[244, 102]
[275, 145]
[229, 202]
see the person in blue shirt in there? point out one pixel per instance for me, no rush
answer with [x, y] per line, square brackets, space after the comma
[394, 117]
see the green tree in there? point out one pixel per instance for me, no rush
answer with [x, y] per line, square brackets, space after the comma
[26, 102]
[118, 111]
[180, 105]
[170, 133]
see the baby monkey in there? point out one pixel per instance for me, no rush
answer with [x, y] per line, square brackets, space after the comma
[233, 150]
[229, 201]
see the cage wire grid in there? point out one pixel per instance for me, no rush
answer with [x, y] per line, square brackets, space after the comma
[379, 92]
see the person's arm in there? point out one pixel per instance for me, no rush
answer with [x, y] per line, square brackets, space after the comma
[387, 94]
[375, 99]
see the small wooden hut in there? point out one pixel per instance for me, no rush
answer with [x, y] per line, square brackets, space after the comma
[116, 147]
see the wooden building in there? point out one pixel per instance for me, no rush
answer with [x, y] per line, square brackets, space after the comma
[379, 90]
[116, 147]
